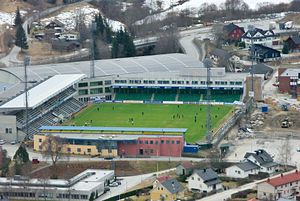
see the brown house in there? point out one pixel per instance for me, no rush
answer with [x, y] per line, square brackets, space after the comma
[294, 43]
[289, 81]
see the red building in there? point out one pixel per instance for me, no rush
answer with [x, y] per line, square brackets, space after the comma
[233, 32]
[153, 145]
[289, 81]
[294, 43]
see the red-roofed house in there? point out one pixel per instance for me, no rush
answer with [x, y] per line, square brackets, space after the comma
[283, 186]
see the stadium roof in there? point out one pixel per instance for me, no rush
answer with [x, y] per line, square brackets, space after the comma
[154, 63]
[118, 129]
[43, 91]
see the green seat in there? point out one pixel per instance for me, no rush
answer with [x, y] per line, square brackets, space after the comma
[164, 97]
[189, 97]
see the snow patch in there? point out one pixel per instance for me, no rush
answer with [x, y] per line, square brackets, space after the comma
[69, 18]
[9, 18]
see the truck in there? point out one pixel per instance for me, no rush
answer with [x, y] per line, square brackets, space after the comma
[286, 123]
[286, 25]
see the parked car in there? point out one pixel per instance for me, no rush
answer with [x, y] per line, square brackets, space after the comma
[2, 142]
[13, 142]
[114, 184]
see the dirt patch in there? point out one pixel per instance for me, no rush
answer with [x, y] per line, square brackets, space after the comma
[122, 168]
[10, 6]
[295, 17]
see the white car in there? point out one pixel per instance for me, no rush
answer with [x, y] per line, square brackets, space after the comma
[298, 149]
[2, 142]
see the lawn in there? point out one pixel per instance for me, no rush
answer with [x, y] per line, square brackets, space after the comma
[152, 115]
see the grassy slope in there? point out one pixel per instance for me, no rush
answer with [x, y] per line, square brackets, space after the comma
[154, 116]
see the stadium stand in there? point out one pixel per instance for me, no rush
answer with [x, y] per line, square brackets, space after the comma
[48, 103]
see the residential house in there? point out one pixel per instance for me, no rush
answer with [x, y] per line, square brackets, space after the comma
[260, 69]
[233, 32]
[260, 37]
[167, 190]
[221, 58]
[289, 81]
[242, 170]
[55, 24]
[264, 53]
[261, 158]
[283, 186]
[205, 180]
[184, 168]
[293, 43]
[254, 162]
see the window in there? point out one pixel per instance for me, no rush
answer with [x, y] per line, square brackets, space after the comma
[156, 142]
[89, 150]
[120, 81]
[151, 151]
[151, 141]
[83, 92]
[162, 142]
[78, 150]
[107, 82]
[192, 178]
[198, 179]
[141, 142]
[177, 142]
[168, 141]
[83, 84]
[146, 142]
[40, 140]
[69, 149]
[173, 142]
[194, 82]
[202, 82]
[107, 90]
[8, 130]
[96, 91]
[98, 83]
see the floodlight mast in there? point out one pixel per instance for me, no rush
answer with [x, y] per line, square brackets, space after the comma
[26, 63]
[208, 65]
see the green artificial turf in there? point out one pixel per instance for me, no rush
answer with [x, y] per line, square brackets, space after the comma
[154, 116]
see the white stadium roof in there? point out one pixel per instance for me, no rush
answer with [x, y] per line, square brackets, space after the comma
[43, 91]
[106, 67]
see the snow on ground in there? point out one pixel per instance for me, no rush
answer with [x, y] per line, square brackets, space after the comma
[9, 18]
[193, 5]
[87, 12]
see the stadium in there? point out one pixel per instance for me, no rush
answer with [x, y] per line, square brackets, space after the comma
[62, 94]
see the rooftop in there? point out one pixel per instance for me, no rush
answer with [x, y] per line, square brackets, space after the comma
[246, 166]
[112, 129]
[207, 174]
[290, 72]
[43, 91]
[284, 179]
[173, 186]
[108, 67]
[261, 156]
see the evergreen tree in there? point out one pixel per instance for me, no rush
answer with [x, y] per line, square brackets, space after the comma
[100, 24]
[129, 48]
[18, 19]
[21, 40]
[285, 49]
[114, 48]
[92, 197]
[21, 155]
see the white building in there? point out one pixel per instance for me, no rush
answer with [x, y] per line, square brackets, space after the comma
[80, 187]
[260, 37]
[69, 36]
[254, 162]
[205, 180]
[283, 186]
[242, 170]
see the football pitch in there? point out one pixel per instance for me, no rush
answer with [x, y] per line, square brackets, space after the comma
[192, 117]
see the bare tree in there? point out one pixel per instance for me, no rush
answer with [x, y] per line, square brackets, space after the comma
[167, 43]
[219, 35]
[53, 148]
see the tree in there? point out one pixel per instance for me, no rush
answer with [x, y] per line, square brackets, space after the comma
[21, 156]
[18, 18]
[53, 148]
[5, 163]
[219, 35]
[285, 49]
[92, 197]
[21, 40]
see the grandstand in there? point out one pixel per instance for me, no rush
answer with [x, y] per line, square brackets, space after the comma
[49, 102]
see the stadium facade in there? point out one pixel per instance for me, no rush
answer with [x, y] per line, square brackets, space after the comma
[110, 142]
[159, 78]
